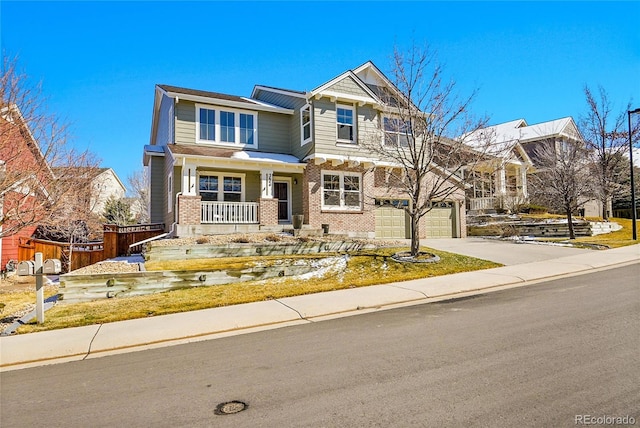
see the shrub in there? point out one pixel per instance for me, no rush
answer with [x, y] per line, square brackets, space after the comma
[202, 240]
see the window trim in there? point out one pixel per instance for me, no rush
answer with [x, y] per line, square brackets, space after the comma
[220, 175]
[170, 192]
[217, 126]
[304, 141]
[342, 206]
[351, 107]
[398, 134]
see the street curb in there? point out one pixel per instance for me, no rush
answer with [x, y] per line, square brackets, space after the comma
[79, 343]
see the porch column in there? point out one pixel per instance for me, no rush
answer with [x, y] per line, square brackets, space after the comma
[189, 185]
[523, 181]
[266, 182]
[502, 181]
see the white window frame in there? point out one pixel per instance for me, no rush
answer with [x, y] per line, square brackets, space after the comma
[342, 206]
[396, 133]
[304, 141]
[218, 133]
[220, 176]
[353, 125]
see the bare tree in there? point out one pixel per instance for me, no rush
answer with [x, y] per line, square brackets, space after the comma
[419, 136]
[606, 136]
[139, 185]
[563, 178]
[32, 142]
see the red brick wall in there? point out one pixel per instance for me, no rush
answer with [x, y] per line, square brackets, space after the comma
[338, 221]
[268, 211]
[189, 209]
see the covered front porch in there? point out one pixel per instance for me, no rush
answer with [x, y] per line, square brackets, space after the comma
[501, 187]
[243, 192]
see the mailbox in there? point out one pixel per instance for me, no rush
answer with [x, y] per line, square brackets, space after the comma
[26, 268]
[51, 266]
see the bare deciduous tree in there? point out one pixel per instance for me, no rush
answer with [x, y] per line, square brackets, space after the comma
[606, 136]
[563, 178]
[32, 143]
[139, 185]
[420, 133]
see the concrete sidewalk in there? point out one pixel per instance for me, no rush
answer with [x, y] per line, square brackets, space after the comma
[79, 343]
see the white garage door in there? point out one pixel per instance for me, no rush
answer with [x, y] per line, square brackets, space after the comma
[391, 222]
[441, 220]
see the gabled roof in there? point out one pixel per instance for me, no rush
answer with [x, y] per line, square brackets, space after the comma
[507, 136]
[322, 89]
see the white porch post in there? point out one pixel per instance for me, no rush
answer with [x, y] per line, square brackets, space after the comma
[266, 182]
[502, 181]
[523, 181]
[189, 184]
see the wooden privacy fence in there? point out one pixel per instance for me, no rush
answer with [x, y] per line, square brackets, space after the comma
[117, 241]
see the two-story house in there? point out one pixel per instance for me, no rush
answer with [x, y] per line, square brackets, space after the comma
[221, 163]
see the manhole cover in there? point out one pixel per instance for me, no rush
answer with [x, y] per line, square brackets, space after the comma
[230, 407]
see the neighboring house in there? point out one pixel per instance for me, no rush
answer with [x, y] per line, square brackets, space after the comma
[501, 181]
[24, 174]
[220, 163]
[101, 183]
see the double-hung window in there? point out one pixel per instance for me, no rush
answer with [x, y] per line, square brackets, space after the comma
[226, 126]
[305, 125]
[220, 187]
[345, 116]
[396, 132]
[207, 124]
[341, 190]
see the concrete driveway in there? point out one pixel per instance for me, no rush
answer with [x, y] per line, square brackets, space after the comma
[505, 252]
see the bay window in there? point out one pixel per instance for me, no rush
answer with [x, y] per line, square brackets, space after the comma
[341, 190]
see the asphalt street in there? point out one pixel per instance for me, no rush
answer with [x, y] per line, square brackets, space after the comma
[540, 355]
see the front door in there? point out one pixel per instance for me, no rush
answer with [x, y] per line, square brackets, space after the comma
[281, 192]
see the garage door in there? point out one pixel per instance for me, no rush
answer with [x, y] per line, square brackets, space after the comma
[391, 222]
[440, 221]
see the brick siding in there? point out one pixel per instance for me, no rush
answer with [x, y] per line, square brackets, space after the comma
[268, 211]
[189, 210]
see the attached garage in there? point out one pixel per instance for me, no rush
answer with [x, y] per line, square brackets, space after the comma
[392, 222]
[441, 222]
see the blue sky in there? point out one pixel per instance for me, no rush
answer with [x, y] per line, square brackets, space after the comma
[99, 61]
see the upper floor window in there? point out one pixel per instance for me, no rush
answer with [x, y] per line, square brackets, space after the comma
[305, 125]
[341, 190]
[207, 124]
[226, 126]
[396, 132]
[345, 121]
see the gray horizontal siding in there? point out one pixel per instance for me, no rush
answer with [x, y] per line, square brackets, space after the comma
[185, 122]
[164, 135]
[158, 189]
[273, 132]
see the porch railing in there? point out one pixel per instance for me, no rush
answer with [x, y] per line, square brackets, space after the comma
[229, 212]
[483, 203]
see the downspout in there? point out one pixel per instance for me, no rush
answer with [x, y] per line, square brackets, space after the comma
[176, 217]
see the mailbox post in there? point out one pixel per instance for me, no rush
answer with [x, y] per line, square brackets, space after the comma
[38, 268]
[39, 289]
